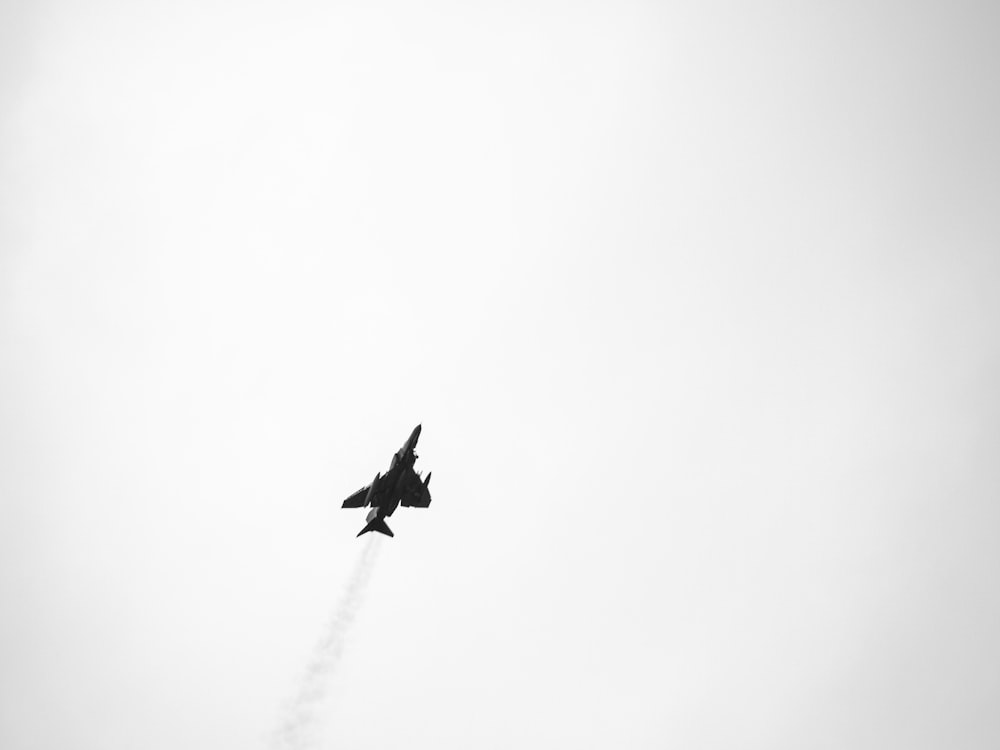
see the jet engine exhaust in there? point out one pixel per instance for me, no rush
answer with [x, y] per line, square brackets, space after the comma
[297, 725]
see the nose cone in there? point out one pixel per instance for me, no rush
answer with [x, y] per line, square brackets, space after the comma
[415, 436]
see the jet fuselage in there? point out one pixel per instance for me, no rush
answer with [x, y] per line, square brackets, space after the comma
[391, 487]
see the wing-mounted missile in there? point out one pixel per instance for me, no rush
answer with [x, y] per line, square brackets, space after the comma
[371, 490]
[427, 481]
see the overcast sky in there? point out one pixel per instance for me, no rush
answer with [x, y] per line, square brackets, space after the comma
[698, 307]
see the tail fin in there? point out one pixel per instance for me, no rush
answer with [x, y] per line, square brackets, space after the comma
[379, 525]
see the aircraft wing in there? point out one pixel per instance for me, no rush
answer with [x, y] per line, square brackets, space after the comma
[416, 494]
[357, 500]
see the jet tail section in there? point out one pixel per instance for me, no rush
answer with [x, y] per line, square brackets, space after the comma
[379, 525]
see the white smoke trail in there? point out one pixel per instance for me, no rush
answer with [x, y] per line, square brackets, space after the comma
[295, 730]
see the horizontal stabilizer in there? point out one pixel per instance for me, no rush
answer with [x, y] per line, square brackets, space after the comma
[379, 525]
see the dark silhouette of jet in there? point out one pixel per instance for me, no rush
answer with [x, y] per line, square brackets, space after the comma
[400, 485]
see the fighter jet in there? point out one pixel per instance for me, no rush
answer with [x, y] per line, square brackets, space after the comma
[400, 485]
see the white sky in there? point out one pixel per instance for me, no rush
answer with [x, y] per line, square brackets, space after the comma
[697, 304]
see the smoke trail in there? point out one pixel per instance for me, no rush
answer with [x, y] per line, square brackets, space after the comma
[295, 729]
